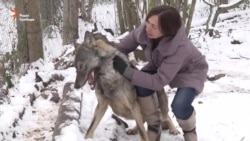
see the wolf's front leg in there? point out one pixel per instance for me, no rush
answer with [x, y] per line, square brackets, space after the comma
[98, 115]
[167, 122]
[136, 111]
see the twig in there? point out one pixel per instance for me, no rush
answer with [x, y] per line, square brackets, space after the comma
[240, 57]
[244, 57]
[242, 139]
[216, 77]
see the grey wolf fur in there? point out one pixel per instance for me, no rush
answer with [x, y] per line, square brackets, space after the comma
[111, 88]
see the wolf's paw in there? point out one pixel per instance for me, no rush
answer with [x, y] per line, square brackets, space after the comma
[168, 125]
[88, 135]
[132, 131]
[174, 131]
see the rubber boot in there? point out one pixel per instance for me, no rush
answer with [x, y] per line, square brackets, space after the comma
[152, 115]
[189, 127]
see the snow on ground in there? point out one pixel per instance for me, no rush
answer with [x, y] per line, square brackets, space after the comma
[222, 113]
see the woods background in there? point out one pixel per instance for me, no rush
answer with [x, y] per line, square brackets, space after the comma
[37, 18]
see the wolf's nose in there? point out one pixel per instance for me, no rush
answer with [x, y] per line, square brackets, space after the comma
[77, 86]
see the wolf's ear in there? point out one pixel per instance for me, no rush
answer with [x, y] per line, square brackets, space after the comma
[89, 38]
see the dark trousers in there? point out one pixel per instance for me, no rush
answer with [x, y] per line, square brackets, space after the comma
[182, 103]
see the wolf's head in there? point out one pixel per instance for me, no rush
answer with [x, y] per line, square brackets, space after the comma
[89, 57]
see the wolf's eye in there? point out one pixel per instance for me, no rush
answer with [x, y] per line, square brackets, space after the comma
[80, 67]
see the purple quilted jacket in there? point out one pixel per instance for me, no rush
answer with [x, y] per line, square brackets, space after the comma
[177, 62]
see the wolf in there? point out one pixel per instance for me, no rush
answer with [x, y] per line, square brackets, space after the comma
[94, 64]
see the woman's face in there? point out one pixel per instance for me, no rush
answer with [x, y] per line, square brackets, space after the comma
[152, 27]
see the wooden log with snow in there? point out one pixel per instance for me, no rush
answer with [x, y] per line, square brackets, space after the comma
[68, 115]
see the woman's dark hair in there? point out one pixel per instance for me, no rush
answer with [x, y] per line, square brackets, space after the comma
[169, 19]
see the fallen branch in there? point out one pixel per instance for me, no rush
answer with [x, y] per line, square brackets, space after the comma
[244, 57]
[240, 57]
[216, 77]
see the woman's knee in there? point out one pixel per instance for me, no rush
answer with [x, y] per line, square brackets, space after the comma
[182, 103]
[180, 110]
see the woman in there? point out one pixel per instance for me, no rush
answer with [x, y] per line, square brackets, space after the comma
[172, 60]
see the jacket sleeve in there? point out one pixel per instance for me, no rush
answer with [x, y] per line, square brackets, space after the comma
[129, 43]
[165, 74]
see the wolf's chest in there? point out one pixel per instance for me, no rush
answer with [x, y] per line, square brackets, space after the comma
[107, 81]
[107, 74]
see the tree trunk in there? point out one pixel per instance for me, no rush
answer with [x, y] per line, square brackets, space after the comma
[35, 41]
[157, 2]
[223, 2]
[83, 9]
[70, 21]
[29, 46]
[215, 11]
[166, 2]
[89, 10]
[127, 15]
[141, 6]
[22, 44]
[49, 10]
[131, 16]
[45, 7]
[153, 3]
[86, 11]
[120, 16]
[190, 16]
[185, 10]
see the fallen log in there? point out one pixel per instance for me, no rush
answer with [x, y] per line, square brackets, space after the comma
[69, 112]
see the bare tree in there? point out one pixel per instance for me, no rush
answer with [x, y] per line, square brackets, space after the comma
[35, 43]
[176, 3]
[131, 15]
[45, 7]
[222, 2]
[120, 16]
[29, 46]
[50, 11]
[189, 17]
[86, 9]
[142, 8]
[70, 21]
[215, 11]
[83, 9]
[153, 3]
[186, 10]
[127, 15]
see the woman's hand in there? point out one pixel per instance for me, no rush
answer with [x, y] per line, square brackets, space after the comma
[119, 64]
[122, 67]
